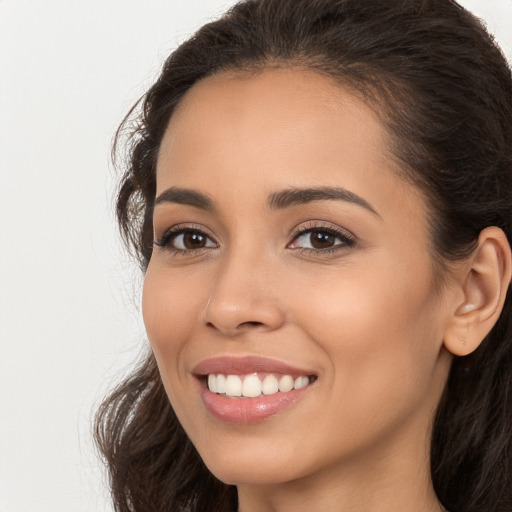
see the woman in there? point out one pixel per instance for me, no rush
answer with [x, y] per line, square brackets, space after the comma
[320, 194]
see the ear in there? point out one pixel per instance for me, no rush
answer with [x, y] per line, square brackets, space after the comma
[484, 281]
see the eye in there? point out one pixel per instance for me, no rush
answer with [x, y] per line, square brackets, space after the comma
[191, 240]
[321, 239]
[185, 240]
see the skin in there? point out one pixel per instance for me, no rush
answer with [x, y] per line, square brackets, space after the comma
[366, 317]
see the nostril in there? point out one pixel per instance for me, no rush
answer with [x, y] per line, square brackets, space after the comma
[241, 326]
[238, 329]
[250, 324]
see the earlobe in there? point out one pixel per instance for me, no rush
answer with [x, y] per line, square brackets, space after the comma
[484, 284]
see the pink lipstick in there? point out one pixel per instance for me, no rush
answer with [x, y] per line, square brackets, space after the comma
[250, 389]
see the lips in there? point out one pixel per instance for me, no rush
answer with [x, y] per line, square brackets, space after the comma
[250, 389]
[247, 365]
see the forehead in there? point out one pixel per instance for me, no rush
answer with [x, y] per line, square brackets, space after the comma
[275, 114]
[279, 128]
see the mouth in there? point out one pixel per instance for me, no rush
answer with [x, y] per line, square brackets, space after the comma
[256, 384]
[250, 389]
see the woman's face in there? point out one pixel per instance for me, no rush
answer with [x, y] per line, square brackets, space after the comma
[289, 254]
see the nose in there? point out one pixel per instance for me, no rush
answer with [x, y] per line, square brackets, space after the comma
[244, 297]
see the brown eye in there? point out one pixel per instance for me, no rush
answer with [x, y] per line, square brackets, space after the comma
[321, 239]
[187, 240]
[193, 240]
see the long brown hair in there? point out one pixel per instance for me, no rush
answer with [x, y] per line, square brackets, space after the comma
[444, 91]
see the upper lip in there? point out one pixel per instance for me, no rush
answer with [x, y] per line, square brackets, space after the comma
[229, 365]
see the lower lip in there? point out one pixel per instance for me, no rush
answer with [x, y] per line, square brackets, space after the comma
[249, 410]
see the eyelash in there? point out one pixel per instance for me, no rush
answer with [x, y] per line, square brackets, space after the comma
[347, 240]
[171, 234]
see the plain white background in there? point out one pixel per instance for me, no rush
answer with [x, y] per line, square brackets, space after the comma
[69, 296]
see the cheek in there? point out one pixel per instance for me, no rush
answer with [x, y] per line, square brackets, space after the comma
[171, 305]
[167, 313]
[381, 335]
[365, 306]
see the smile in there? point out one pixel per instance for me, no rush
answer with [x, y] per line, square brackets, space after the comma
[250, 389]
[254, 385]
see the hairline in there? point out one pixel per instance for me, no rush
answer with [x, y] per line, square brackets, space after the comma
[376, 95]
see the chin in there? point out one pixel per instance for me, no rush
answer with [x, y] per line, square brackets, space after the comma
[257, 465]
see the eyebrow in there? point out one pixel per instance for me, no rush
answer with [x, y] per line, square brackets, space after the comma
[298, 196]
[185, 196]
[276, 201]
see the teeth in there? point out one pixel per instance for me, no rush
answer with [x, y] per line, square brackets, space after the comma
[233, 385]
[251, 386]
[300, 382]
[212, 383]
[286, 383]
[221, 383]
[270, 385]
